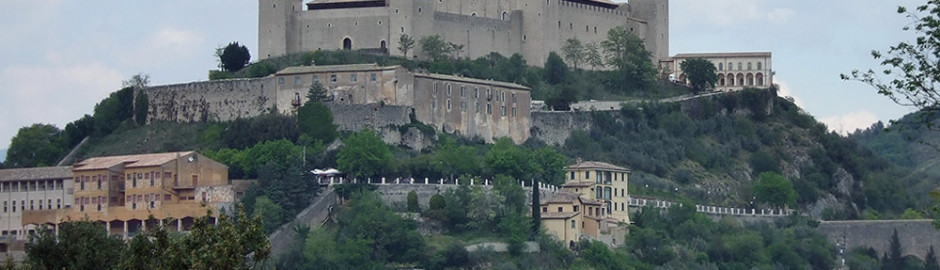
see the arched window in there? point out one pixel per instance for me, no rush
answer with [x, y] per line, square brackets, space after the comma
[740, 79]
[505, 16]
[721, 66]
[473, 14]
[382, 45]
[759, 65]
[730, 66]
[760, 79]
[750, 79]
[721, 79]
[740, 66]
[347, 44]
[748, 65]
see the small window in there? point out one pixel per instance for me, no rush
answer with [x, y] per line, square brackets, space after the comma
[372, 77]
[544, 210]
[353, 77]
[740, 66]
[489, 108]
[560, 209]
[572, 175]
[434, 103]
[435, 88]
[721, 66]
[759, 66]
[316, 79]
[576, 208]
[463, 90]
[730, 66]
[587, 175]
[502, 111]
[297, 80]
[280, 80]
[474, 14]
[513, 111]
[448, 89]
[513, 97]
[572, 224]
[448, 104]
[748, 65]
[333, 77]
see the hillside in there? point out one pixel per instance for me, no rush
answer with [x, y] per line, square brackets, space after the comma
[712, 150]
[907, 144]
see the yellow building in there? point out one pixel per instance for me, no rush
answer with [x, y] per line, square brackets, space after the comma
[603, 182]
[123, 191]
[569, 217]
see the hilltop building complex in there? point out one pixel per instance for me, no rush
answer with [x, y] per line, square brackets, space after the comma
[120, 192]
[532, 28]
[736, 71]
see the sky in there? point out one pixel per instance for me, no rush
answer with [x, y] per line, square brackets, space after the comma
[58, 58]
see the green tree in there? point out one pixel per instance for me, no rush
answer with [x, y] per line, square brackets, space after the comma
[592, 55]
[36, 145]
[79, 245]
[556, 71]
[138, 81]
[628, 57]
[364, 154]
[563, 99]
[113, 110]
[412, 202]
[436, 202]
[774, 189]
[574, 52]
[930, 261]
[895, 255]
[315, 120]
[271, 214]
[317, 93]
[456, 160]
[507, 159]
[700, 73]
[435, 47]
[405, 44]
[141, 105]
[234, 57]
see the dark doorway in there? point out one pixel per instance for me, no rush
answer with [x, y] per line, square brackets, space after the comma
[347, 44]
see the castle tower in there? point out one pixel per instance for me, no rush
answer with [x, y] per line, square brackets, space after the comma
[275, 26]
[656, 14]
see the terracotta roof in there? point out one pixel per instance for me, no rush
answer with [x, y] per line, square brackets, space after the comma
[562, 197]
[332, 68]
[471, 80]
[722, 55]
[590, 201]
[578, 184]
[40, 173]
[596, 165]
[558, 215]
[129, 161]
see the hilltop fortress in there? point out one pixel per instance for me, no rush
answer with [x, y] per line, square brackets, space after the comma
[532, 28]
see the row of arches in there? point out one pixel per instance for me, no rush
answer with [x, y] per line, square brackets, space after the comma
[741, 79]
[129, 228]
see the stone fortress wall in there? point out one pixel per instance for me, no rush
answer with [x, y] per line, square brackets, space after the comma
[531, 28]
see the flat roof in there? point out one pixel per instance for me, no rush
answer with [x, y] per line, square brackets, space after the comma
[596, 165]
[129, 161]
[472, 80]
[723, 55]
[333, 68]
[38, 173]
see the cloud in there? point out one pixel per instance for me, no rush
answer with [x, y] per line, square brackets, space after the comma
[849, 122]
[164, 46]
[779, 15]
[54, 95]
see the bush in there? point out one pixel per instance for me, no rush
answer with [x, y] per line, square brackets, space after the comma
[413, 202]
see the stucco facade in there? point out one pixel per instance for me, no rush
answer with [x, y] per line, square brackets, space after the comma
[530, 28]
[569, 217]
[736, 71]
[603, 182]
[124, 191]
[468, 107]
[29, 189]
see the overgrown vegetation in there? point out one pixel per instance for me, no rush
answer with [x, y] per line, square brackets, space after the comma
[236, 242]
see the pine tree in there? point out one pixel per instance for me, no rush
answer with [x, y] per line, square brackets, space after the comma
[930, 261]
